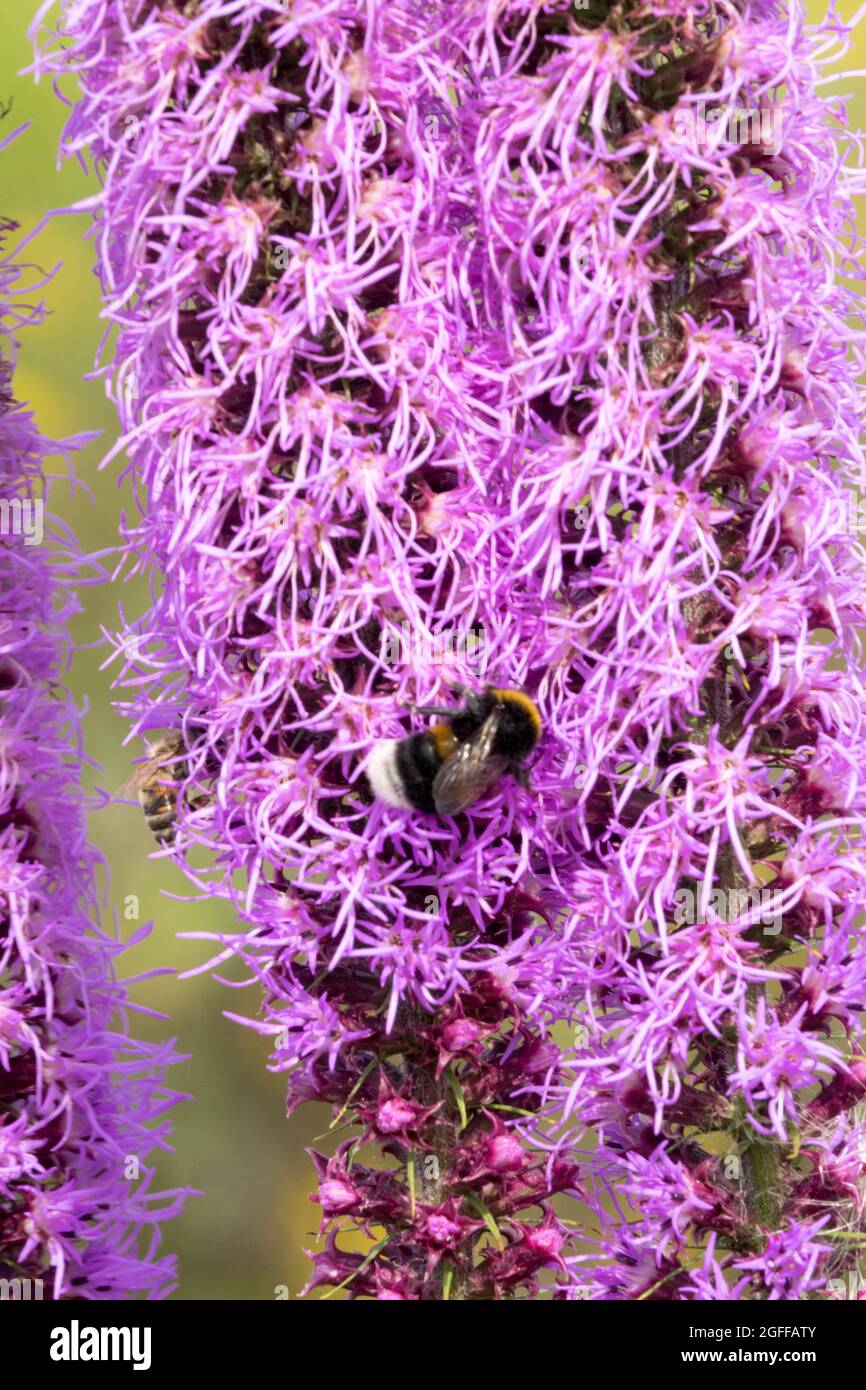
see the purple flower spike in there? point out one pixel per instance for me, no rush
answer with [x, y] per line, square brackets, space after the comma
[82, 1105]
[503, 346]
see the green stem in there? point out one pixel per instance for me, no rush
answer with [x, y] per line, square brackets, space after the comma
[760, 1156]
[431, 1187]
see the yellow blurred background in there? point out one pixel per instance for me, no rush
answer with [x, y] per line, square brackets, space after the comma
[242, 1238]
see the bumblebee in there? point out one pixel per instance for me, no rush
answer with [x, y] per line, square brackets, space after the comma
[156, 782]
[454, 763]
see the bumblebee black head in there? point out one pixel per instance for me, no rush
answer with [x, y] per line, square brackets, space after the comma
[519, 722]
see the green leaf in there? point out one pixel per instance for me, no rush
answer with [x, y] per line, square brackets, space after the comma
[680, 1269]
[410, 1170]
[354, 1091]
[487, 1217]
[370, 1256]
[459, 1098]
[351, 1156]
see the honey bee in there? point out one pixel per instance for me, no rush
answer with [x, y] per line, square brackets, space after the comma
[156, 783]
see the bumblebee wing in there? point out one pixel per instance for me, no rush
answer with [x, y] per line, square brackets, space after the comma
[470, 771]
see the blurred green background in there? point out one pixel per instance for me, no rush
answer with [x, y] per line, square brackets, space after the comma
[242, 1238]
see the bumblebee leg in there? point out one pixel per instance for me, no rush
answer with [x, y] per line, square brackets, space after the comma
[471, 701]
[521, 776]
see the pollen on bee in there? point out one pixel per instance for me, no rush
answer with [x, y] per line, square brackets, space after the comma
[443, 739]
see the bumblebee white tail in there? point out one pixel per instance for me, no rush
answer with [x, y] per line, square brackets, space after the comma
[383, 776]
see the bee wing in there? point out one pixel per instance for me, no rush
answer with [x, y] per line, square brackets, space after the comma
[162, 759]
[470, 771]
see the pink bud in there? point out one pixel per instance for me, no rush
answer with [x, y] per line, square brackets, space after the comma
[545, 1241]
[336, 1196]
[460, 1034]
[394, 1115]
[441, 1230]
[505, 1154]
